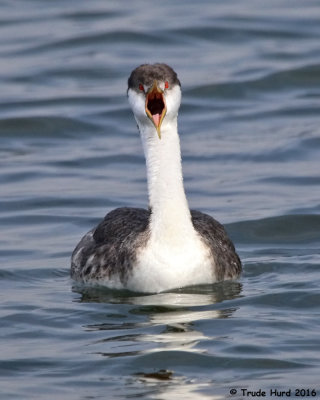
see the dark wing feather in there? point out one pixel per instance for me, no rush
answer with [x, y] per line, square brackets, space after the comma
[112, 245]
[227, 261]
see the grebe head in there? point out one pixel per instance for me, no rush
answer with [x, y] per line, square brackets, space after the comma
[154, 94]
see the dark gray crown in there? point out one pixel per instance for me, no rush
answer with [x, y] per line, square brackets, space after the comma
[147, 73]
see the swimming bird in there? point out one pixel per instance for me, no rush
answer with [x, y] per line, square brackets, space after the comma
[166, 246]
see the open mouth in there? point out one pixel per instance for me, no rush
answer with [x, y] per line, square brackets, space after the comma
[155, 106]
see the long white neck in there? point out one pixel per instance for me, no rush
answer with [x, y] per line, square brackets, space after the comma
[170, 217]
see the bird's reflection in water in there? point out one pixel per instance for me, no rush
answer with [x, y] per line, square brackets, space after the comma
[177, 312]
[174, 312]
[189, 296]
[146, 334]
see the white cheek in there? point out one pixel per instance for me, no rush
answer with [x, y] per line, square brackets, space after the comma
[173, 100]
[137, 104]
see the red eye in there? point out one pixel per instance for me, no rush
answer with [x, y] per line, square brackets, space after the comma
[141, 87]
[166, 84]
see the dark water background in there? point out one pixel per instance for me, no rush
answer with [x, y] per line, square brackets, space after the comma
[70, 152]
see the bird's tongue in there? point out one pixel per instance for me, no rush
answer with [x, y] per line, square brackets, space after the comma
[156, 119]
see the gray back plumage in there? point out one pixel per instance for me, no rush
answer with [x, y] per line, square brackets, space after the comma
[111, 248]
[112, 245]
[227, 261]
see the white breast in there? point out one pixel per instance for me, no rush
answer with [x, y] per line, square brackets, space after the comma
[163, 265]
